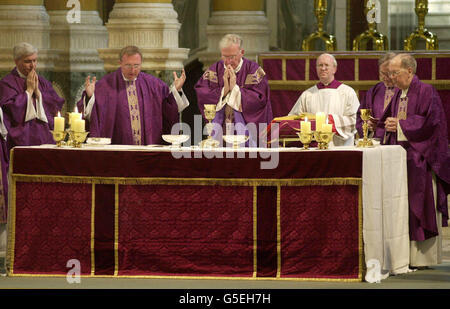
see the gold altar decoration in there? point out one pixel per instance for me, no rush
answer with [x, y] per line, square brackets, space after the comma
[210, 113]
[379, 40]
[76, 138]
[323, 138]
[320, 10]
[58, 137]
[306, 139]
[421, 32]
[366, 114]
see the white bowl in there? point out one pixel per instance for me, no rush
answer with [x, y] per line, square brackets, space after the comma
[98, 141]
[235, 139]
[175, 139]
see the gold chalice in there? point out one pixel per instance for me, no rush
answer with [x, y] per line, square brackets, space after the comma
[59, 137]
[210, 113]
[366, 114]
[323, 138]
[305, 138]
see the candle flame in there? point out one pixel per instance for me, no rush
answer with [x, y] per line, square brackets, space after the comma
[76, 109]
[59, 114]
[306, 119]
[326, 120]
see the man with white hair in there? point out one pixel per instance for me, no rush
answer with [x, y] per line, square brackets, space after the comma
[239, 89]
[419, 125]
[333, 98]
[28, 100]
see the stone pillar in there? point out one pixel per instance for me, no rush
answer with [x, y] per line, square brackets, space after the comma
[152, 25]
[76, 45]
[24, 21]
[243, 17]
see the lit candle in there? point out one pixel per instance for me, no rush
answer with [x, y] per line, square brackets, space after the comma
[320, 120]
[59, 123]
[78, 125]
[327, 127]
[74, 116]
[305, 126]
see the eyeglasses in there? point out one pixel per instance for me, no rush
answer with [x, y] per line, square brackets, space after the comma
[232, 57]
[395, 73]
[132, 66]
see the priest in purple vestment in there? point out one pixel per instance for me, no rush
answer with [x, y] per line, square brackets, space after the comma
[130, 106]
[418, 123]
[4, 171]
[28, 100]
[239, 89]
[378, 99]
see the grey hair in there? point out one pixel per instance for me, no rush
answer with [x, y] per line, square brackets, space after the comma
[230, 39]
[331, 56]
[386, 58]
[408, 62]
[23, 50]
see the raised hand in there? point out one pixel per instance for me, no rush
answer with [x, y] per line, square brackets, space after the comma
[179, 81]
[89, 86]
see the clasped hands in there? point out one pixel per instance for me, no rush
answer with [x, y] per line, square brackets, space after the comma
[33, 84]
[390, 124]
[229, 80]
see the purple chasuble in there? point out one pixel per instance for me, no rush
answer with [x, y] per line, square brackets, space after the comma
[375, 100]
[427, 148]
[13, 101]
[110, 117]
[254, 87]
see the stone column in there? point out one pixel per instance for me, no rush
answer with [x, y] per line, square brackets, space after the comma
[152, 25]
[243, 17]
[76, 43]
[24, 21]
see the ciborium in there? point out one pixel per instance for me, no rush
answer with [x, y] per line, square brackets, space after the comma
[305, 138]
[323, 139]
[77, 138]
[366, 115]
[210, 113]
[58, 137]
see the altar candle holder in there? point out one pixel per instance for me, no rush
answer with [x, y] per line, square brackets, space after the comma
[58, 137]
[306, 139]
[323, 139]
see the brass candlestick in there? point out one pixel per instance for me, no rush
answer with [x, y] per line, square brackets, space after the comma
[379, 40]
[305, 138]
[320, 10]
[421, 32]
[323, 139]
[366, 114]
[77, 138]
[210, 113]
[59, 137]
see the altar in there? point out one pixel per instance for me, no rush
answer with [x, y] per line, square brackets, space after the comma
[184, 212]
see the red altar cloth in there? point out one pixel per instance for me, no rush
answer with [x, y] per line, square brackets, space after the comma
[142, 213]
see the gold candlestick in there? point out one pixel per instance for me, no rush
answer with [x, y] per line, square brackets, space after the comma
[305, 138]
[320, 10]
[77, 138]
[210, 113]
[323, 138]
[379, 40]
[421, 32]
[59, 137]
[366, 114]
